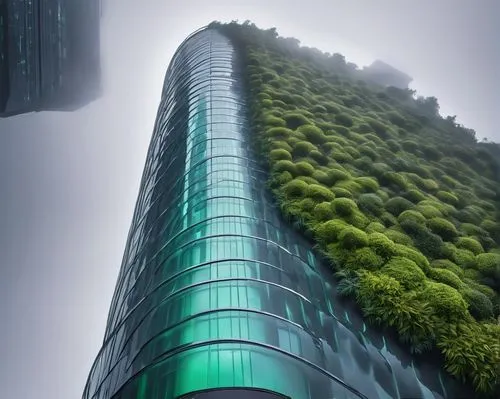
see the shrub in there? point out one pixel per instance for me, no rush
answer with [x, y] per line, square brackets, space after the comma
[350, 185]
[368, 151]
[352, 237]
[445, 300]
[279, 133]
[398, 237]
[493, 228]
[448, 265]
[412, 215]
[363, 258]
[303, 148]
[295, 188]
[446, 277]
[388, 219]
[344, 120]
[414, 196]
[319, 193]
[304, 168]
[336, 175]
[397, 205]
[341, 192]
[307, 179]
[283, 178]
[430, 244]
[344, 206]
[272, 120]
[447, 197]
[469, 243]
[322, 177]
[313, 133]
[295, 119]
[368, 183]
[479, 305]
[429, 211]
[280, 144]
[371, 204]
[341, 156]
[394, 179]
[443, 228]
[328, 231]
[489, 264]
[414, 255]
[276, 155]
[382, 245]
[323, 211]
[470, 214]
[285, 166]
[318, 157]
[375, 227]
[407, 272]
[464, 258]
[307, 204]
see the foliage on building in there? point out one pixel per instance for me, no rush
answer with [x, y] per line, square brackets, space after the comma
[403, 203]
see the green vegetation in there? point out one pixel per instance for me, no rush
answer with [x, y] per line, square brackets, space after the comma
[404, 203]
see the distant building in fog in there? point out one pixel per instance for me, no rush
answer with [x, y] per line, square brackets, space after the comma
[386, 75]
[49, 55]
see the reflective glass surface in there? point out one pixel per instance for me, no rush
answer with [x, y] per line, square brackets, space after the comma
[215, 289]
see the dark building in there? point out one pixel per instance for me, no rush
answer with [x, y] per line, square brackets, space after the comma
[49, 55]
[386, 75]
[217, 296]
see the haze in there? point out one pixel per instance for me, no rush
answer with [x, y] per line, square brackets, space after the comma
[70, 180]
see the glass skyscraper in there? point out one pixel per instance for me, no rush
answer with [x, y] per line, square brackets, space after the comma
[49, 55]
[216, 292]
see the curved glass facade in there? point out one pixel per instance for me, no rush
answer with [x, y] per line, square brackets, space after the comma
[215, 290]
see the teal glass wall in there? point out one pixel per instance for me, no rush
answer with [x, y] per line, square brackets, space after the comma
[215, 289]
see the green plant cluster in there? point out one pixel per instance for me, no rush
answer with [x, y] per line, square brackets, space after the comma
[404, 203]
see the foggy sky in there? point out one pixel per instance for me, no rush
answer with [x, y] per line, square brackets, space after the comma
[69, 181]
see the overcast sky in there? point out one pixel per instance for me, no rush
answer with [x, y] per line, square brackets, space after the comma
[69, 181]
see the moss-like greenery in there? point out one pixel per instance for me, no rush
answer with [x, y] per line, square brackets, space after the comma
[397, 197]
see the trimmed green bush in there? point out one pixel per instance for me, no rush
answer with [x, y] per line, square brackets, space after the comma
[367, 183]
[276, 155]
[318, 157]
[464, 258]
[277, 133]
[303, 148]
[429, 211]
[412, 215]
[323, 211]
[314, 134]
[363, 258]
[446, 277]
[344, 206]
[397, 205]
[352, 237]
[283, 178]
[382, 245]
[488, 264]
[445, 300]
[375, 227]
[414, 196]
[398, 237]
[341, 192]
[414, 255]
[479, 305]
[407, 272]
[371, 204]
[271, 120]
[469, 243]
[447, 197]
[394, 179]
[328, 231]
[304, 168]
[448, 265]
[344, 120]
[336, 175]
[319, 193]
[285, 166]
[295, 188]
[443, 228]
[295, 119]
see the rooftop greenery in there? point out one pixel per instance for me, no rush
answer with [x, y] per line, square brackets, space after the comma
[404, 203]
